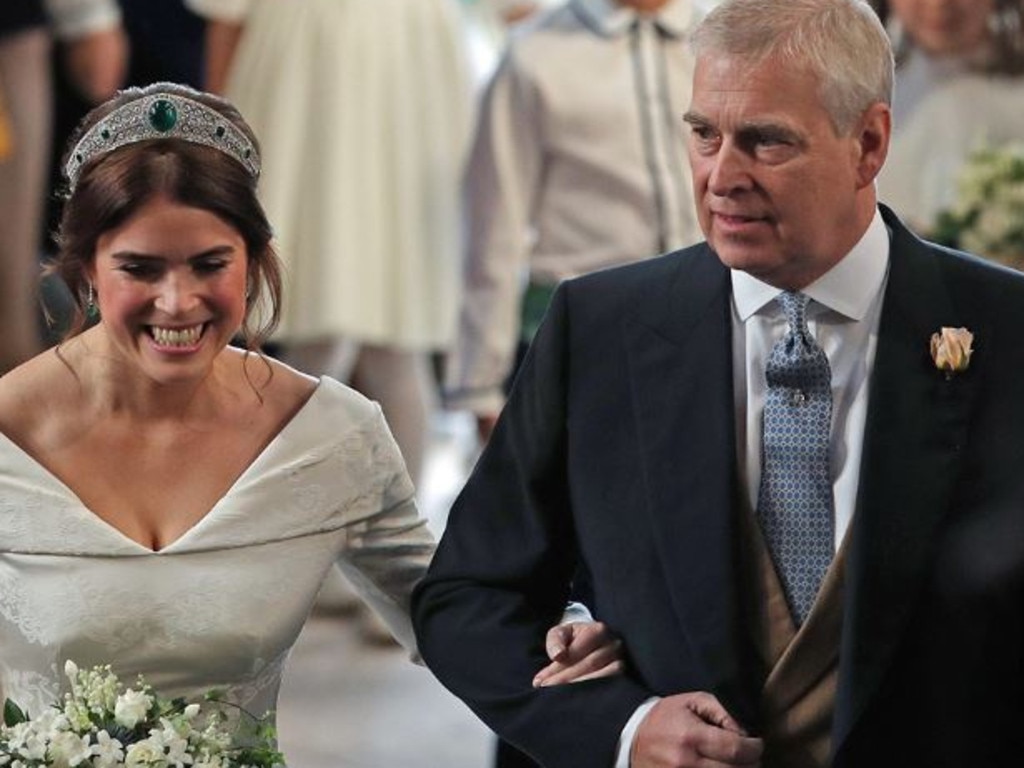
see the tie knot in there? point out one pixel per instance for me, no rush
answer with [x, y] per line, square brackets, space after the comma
[795, 307]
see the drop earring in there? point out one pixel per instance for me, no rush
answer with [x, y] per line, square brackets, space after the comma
[92, 312]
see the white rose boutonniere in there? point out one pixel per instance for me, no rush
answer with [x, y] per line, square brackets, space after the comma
[951, 350]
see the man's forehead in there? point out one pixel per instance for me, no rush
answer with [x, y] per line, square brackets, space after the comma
[768, 84]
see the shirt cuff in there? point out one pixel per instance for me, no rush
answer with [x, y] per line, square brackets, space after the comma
[576, 613]
[629, 732]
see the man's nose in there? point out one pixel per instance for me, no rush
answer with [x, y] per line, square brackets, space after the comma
[730, 170]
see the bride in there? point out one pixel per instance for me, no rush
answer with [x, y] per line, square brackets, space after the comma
[170, 503]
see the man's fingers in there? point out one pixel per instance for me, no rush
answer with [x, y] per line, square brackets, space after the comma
[556, 674]
[728, 747]
[685, 730]
[558, 640]
[709, 709]
[571, 643]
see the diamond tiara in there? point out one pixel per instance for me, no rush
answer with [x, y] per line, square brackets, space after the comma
[162, 116]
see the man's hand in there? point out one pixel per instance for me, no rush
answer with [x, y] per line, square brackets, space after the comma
[580, 651]
[692, 730]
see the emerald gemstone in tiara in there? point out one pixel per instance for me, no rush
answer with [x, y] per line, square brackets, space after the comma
[162, 115]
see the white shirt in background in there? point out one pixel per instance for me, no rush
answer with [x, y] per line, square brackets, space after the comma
[578, 163]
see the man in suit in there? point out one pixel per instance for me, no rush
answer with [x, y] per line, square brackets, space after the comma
[649, 444]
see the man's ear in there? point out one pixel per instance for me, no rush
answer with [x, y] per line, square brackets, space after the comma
[872, 134]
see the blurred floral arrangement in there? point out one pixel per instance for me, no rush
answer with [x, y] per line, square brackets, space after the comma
[103, 725]
[988, 216]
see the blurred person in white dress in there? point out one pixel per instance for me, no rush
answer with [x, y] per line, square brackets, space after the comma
[959, 88]
[170, 503]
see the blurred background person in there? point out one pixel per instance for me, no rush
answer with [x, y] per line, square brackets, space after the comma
[577, 164]
[24, 128]
[93, 43]
[959, 87]
[488, 23]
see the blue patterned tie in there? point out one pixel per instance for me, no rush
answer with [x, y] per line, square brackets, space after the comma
[795, 501]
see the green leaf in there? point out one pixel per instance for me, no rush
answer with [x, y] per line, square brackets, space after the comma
[13, 714]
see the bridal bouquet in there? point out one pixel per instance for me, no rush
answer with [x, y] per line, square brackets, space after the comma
[988, 217]
[101, 724]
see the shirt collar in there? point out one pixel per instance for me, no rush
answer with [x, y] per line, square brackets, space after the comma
[610, 19]
[849, 288]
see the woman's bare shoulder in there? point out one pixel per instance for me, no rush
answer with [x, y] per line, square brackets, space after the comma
[35, 394]
[276, 383]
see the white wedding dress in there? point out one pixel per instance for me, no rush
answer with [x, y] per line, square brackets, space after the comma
[222, 605]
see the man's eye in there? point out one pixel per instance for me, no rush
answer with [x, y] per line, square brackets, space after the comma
[703, 132]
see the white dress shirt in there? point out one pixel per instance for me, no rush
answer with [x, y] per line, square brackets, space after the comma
[578, 163]
[843, 316]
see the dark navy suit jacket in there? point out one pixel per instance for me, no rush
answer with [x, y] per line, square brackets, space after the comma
[615, 457]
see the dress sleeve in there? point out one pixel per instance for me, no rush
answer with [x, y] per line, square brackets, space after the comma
[387, 552]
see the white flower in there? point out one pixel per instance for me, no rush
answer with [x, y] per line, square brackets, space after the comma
[68, 749]
[77, 715]
[132, 707]
[190, 711]
[145, 753]
[107, 751]
[50, 722]
[168, 739]
[27, 741]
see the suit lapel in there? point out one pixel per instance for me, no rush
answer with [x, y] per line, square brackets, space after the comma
[917, 421]
[680, 370]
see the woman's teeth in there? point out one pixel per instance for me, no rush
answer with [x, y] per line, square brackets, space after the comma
[176, 337]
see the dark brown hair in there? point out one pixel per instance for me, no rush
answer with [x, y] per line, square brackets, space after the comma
[112, 186]
[1007, 25]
